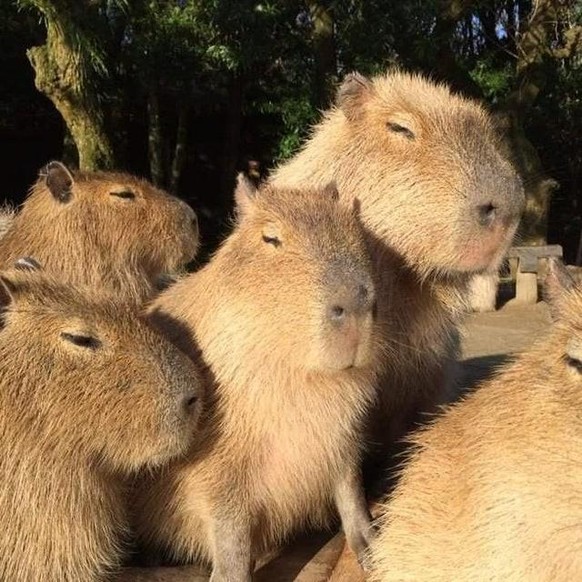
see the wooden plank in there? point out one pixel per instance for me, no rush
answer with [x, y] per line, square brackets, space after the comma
[529, 256]
[542, 251]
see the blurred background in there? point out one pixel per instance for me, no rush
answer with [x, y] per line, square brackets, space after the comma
[189, 92]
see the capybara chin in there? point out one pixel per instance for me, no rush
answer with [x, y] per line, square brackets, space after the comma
[439, 202]
[493, 488]
[431, 177]
[89, 394]
[102, 229]
[284, 318]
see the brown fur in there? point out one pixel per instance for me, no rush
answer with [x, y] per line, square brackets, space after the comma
[75, 419]
[493, 490]
[424, 163]
[283, 444]
[76, 228]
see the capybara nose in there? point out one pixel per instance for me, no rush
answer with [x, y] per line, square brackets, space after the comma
[487, 214]
[356, 300]
[189, 403]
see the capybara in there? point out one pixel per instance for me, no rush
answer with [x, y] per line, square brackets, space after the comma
[284, 319]
[493, 489]
[89, 394]
[102, 230]
[440, 201]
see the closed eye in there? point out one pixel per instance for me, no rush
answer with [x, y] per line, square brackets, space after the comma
[272, 240]
[82, 341]
[397, 128]
[126, 194]
[573, 363]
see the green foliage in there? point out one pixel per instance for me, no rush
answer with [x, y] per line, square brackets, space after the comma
[256, 61]
[495, 82]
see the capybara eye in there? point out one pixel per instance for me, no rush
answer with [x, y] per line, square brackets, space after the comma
[83, 341]
[126, 194]
[272, 240]
[573, 363]
[397, 128]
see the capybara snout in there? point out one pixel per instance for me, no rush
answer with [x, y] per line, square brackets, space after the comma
[348, 316]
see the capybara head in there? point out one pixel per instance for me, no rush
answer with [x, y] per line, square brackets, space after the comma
[86, 375]
[431, 160]
[299, 277]
[76, 222]
[427, 166]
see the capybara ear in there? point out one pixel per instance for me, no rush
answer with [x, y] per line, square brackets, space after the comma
[353, 91]
[330, 190]
[59, 180]
[27, 264]
[244, 195]
[9, 286]
[557, 282]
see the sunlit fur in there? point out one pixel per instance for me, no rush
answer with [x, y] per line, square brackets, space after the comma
[102, 240]
[285, 424]
[7, 215]
[483, 291]
[74, 420]
[493, 489]
[418, 202]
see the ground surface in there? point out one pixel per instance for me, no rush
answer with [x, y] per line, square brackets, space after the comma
[488, 341]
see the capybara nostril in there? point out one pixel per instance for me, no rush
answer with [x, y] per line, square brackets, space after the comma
[486, 213]
[190, 402]
[337, 313]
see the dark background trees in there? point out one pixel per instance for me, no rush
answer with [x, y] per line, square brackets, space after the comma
[188, 92]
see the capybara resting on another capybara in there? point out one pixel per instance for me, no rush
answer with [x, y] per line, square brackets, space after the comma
[493, 489]
[88, 394]
[103, 230]
[284, 318]
[441, 202]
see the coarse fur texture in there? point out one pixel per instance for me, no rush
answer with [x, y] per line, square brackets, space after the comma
[439, 201]
[284, 318]
[492, 490]
[102, 230]
[89, 394]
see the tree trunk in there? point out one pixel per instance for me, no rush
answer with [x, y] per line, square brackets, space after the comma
[445, 62]
[58, 75]
[533, 48]
[181, 143]
[323, 52]
[155, 137]
[232, 135]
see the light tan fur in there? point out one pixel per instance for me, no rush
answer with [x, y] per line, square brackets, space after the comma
[76, 226]
[290, 388]
[483, 291]
[88, 395]
[493, 489]
[426, 165]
